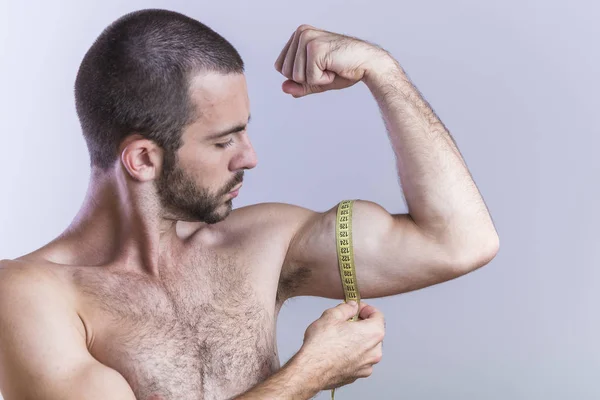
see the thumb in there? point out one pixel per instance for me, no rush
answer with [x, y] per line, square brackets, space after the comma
[345, 311]
[300, 90]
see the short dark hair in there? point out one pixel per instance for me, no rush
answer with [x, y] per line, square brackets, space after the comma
[135, 78]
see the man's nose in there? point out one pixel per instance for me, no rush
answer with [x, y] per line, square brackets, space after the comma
[246, 159]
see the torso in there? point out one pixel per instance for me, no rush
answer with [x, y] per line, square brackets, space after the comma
[205, 328]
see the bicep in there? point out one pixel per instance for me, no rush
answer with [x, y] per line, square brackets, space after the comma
[43, 353]
[392, 255]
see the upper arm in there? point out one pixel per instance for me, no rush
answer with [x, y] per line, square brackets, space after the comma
[43, 352]
[392, 254]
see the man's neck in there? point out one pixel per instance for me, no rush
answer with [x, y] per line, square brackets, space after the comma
[117, 225]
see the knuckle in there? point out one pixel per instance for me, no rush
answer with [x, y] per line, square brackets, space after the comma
[307, 36]
[316, 325]
[304, 27]
[304, 35]
[378, 335]
[314, 46]
[331, 313]
[298, 77]
[309, 331]
[378, 357]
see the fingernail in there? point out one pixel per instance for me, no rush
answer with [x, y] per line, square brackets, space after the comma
[352, 303]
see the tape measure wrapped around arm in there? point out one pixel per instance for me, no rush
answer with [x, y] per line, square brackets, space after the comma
[345, 255]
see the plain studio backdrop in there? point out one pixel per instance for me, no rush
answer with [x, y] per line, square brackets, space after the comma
[516, 82]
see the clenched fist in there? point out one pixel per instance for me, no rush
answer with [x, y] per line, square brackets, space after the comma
[315, 61]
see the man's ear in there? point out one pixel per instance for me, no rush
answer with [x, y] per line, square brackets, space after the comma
[141, 157]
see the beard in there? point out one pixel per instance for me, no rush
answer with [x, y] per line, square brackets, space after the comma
[181, 198]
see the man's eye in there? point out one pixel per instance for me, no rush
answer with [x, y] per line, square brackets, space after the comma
[226, 144]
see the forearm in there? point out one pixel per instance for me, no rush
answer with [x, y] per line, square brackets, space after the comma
[296, 380]
[441, 195]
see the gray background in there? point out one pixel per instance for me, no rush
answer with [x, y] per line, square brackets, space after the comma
[515, 81]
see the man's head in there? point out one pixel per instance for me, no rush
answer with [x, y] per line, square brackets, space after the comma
[150, 93]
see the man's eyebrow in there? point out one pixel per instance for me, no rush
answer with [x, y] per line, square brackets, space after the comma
[237, 128]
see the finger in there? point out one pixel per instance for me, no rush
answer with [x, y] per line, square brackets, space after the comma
[370, 312]
[288, 64]
[293, 88]
[299, 89]
[300, 62]
[362, 306]
[342, 312]
[303, 89]
[281, 58]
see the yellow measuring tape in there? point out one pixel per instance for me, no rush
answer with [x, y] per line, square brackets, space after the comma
[345, 253]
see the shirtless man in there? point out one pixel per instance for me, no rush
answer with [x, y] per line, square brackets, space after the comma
[158, 290]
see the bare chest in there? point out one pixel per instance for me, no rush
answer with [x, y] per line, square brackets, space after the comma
[205, 334]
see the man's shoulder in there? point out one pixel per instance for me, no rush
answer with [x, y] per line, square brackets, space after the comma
[21, 267]
[13, 271]
[272, 217]
[30, 281]
[272, 211]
